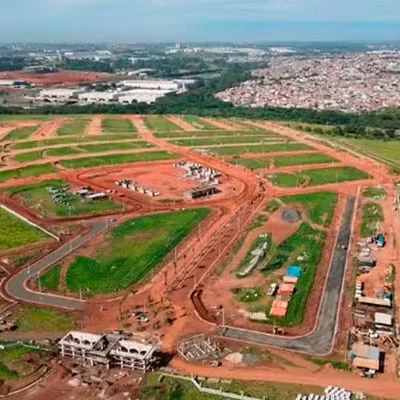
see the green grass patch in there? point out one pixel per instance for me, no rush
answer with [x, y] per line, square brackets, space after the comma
[76, 127]
[372, 216]
[319, 206]
[37, 196]
[50, 279]
[374, 192]
[62, 151]
[258, 148]
[339, 365]
[15, 233]
[158, 123]
[43, 320]
[303, 159]
[206, 134]
[222, 140]
[333, 175]
[272, 206]
[20, 133]
[117, 125]
[28, 156]
[131, 250]
[286, 179]
[114, 146]
[251, 163]
[306, 243]
[249, 295]
[199, 123]
[118, 159]
[23, 172]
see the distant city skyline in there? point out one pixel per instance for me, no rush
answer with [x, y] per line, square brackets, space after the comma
[198, 20]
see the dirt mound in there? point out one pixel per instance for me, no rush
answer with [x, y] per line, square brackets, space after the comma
[291, 215]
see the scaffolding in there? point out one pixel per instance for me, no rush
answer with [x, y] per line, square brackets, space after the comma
[199, 347]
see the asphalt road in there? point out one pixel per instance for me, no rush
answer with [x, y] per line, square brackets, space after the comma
[320, 341]
[16, 288]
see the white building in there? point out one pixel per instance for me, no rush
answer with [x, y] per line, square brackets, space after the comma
[58, 95]
[98, 97]
[142, 96]
[7, 82]
[153, 84]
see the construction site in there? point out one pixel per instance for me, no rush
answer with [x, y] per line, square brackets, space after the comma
[233, 273]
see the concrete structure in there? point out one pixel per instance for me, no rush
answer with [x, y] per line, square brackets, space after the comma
[7, 83]
[364, 356]
[108, 350]
[58, 95]
[142, 96]
[198, 348]
[374, 301]
[383, 319]
[98, 97]
[198, 192]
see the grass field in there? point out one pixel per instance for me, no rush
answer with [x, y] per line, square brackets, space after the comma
[33, 170]
[319, 206]
[15, 233]
[76, 127]
[372, 216]
[308, 242]
[114, 146]
[119, 264]
[158, 123]
[199, 123]
[283, 179]
[118, 159]
[257, 148]
[62, 151]
[117, 125]
[50, 279]
[249, 295]
[333, 175]
[374, 192]
[177, 389]
[21, 133]
[36, 196]
[43, 320]
[208, 134]
[252, 163]
[226, 140]
[70, 141]
[28, 156]
[303, 159]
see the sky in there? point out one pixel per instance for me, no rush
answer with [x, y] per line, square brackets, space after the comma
[131, 21]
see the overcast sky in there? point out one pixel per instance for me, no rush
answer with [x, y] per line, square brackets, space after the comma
[198, 20]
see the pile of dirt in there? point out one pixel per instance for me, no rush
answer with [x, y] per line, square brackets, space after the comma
[234, 358]
[291, 215]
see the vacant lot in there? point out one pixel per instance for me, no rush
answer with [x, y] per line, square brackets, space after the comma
[114, 146]
[119, 264]
[158, 123]
[333, 175]
[225, 140]
[28, 156]
[32, 170]
[284, 179]
[38, 197]
[118, 159]
[372, 216]
[303, 159]
[198, 123]
[206, 134]
[252, 163]
[258, 148]
[76, 127]
[62, 151]
[15, 233]
[50, 279]
[319, 206]
[21, 133]
[117, 125]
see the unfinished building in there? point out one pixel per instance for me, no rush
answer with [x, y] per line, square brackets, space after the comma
[109, 350]
[199, 347]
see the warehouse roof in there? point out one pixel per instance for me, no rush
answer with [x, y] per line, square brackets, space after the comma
[361, 350]
[359, 362]
[383, 319]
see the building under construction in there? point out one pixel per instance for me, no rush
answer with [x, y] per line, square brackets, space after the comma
[203, 191]
[199, 347]
[109, 350]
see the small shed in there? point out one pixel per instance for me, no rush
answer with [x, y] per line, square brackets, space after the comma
[279, 308]
[365, 356]
[290, 279]
[293, 271]
[287, 288]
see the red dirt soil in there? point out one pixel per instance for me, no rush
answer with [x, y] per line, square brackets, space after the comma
[94, 126]
[64, 77]
[180, 122]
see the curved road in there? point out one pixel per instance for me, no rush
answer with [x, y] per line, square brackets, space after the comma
[18, 290]
[321, 340]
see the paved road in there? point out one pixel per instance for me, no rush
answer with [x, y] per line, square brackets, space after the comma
[320, 341]
[16, 288]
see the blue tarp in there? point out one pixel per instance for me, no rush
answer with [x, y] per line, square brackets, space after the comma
[294, 271]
